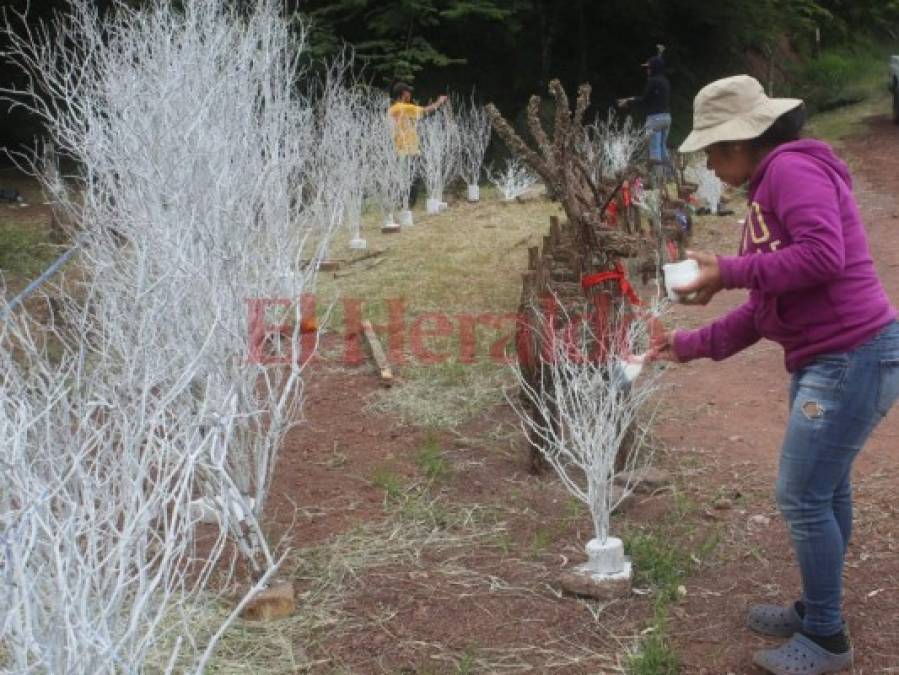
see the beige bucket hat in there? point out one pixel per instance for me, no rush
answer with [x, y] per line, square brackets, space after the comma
[733, 109]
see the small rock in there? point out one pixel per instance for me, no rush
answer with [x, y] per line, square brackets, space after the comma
[723, 504]
[682, 591]
[644, 480]
[735, 439]
[759, 520]
[278, 601]
[579, 581]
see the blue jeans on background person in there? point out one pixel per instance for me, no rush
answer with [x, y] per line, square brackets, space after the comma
[658, 126]
[835, 403]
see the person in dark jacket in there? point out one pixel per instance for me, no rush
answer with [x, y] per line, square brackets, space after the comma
[656, 103]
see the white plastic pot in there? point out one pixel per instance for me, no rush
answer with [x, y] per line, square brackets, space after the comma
[606, 557]
[679, 274]
[474, 193]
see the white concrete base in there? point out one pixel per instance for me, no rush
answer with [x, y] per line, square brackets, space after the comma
[582, 580]
[406, 219]
[474, 193]
[606, 557]
[606, 575]
[359, 244]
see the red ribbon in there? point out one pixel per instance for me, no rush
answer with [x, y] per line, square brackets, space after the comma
[618, 276]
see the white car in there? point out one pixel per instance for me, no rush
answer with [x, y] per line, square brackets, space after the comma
[894, 86]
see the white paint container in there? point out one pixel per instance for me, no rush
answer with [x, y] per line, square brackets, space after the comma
[680, 274]
[474, 193]
[630, 368]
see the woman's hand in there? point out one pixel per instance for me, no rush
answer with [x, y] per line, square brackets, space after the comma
[661, 348]
[708, 283]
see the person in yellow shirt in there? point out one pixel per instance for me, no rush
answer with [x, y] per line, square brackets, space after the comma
[404, 114]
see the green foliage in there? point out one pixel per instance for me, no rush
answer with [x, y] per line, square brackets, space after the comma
[394, 38]
[23, 249]
[389, 481]
[655, 655]
[432, 462]
[839, 76]
[659, 562]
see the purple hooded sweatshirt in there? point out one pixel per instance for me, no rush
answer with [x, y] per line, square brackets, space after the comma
[805, 260]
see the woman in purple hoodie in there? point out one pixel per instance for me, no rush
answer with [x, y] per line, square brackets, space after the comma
[804, 259]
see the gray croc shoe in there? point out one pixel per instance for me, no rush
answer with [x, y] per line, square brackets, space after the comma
[801, 656]
[774, 620]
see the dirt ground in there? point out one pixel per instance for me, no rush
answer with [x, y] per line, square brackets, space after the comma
[479, 596]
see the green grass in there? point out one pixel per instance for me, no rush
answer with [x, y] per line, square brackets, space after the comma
[541, 541]
[843, 88]
[660, 562]
[656, 655]
[431, 461]
[664, 555]
[390, 481]
[24, 248]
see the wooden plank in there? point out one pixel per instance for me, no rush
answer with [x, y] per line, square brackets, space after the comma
[555, 233]
[377, 351]
[533, 257]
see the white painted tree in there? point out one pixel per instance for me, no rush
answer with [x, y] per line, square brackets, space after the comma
[197, 189]
[611, 146]
[344, 123]
[440, 149]
[390, 178]
[590, 403]
[514, 180]
[474, 135]
[709, 185]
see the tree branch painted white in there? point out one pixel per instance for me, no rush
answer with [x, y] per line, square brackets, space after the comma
[709, 185]
[440, 151]
[199, 188]
[592, 404]
[514, 180]
[474, 133]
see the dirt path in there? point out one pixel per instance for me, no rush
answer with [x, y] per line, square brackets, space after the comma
[729, 429]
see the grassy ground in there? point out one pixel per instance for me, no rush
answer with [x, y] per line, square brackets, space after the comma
[452, 275]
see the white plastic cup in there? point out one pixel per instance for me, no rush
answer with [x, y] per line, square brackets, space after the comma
[474, 193]
[680, 274]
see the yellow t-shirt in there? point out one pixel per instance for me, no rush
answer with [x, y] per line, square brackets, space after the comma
[404, 117]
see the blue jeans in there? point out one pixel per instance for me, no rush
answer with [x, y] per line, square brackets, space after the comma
[657, 126]
[835, 403]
